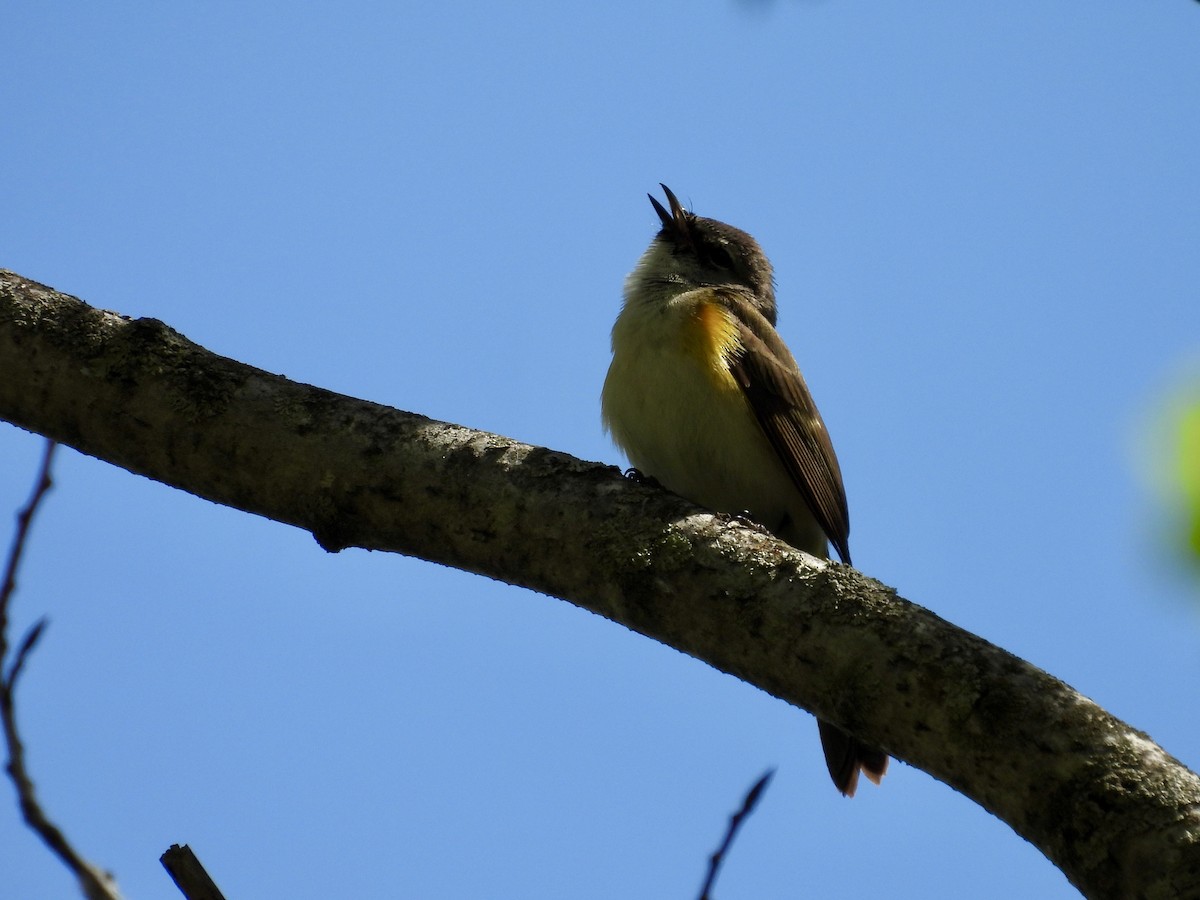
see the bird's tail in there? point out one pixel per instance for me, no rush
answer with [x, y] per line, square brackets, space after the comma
[846, 756]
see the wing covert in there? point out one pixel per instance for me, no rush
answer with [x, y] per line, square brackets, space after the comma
[771, 382]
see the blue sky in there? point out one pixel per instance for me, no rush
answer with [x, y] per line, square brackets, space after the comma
[984, 222]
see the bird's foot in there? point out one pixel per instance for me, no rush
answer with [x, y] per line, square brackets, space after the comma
[642, 478]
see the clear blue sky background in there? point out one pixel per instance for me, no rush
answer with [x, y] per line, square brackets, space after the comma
[984, 220]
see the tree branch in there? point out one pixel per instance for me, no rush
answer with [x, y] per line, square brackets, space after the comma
[1111, 809]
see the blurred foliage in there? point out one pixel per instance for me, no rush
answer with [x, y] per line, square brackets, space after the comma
[1174, 457]
[1188, 474]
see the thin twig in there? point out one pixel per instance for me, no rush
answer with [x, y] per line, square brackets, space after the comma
[24, 518]
[735, 822]
[27, 644]
[96, 885]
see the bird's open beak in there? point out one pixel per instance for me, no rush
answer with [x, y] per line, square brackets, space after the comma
[674, 222]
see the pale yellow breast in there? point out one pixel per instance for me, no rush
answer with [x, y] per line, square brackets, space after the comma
[672, 405]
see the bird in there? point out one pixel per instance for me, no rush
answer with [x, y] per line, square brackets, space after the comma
[704, 397]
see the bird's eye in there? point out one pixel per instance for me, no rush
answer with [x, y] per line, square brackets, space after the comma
[720, 257]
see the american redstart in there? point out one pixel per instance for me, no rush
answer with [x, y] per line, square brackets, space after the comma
[704, 397]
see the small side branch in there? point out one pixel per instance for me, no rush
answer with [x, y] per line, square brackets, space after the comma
[96, 884]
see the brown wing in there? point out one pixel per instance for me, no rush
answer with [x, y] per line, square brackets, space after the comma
[773, 385]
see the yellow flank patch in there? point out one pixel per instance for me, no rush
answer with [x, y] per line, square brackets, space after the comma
[711, 337]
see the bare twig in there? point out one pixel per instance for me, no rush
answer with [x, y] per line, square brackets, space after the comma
[24, 519]
[189, 876]
[96, 884]
[735, 822]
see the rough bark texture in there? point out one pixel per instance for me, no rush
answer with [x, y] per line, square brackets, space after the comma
[1111, 809]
